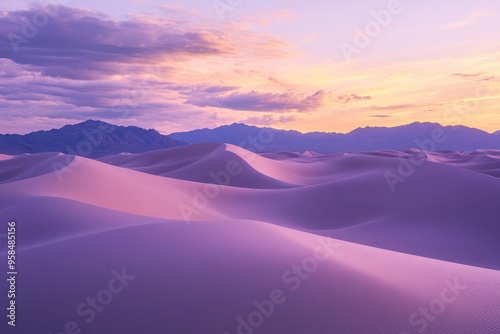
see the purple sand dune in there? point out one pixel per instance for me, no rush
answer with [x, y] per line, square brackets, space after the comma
[302, 243]
[192, 163]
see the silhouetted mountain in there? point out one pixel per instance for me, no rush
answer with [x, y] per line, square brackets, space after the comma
[428, 136]
[96, 139]
[91, 139]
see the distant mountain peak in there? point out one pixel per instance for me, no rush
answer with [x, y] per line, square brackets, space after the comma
[83, 139]
[89, 122]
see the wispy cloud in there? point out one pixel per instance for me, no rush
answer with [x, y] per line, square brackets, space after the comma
[309, 38]
[352, 97]
[476, 76]
[468, 75]
[267, 18]
[261, 102]
[268, 120]
[393, 107]
[472, 19]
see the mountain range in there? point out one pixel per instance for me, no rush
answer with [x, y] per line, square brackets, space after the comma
[91, 139]
[415, 135]
[97, 139]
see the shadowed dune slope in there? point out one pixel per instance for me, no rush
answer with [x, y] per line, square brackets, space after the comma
[214, 272]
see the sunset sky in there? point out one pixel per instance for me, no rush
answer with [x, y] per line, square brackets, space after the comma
[302, 65]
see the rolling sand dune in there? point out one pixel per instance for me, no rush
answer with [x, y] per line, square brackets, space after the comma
[191, 163]
[28, 166]
[208, 234]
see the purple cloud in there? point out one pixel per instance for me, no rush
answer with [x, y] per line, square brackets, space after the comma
[380, 116]
[393, 107]
[352, 97]
[262, 102]
[269, 120]
[218, 89]
[76, 43]
[202, 88]
[59, 63]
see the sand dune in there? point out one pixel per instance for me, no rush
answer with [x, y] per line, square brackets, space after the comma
[195, 162]
[28, 166]
[347, 196]
[211, 232]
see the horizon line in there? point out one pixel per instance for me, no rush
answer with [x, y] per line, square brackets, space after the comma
[257, 126]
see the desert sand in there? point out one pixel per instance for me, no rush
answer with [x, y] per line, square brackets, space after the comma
[222, 240]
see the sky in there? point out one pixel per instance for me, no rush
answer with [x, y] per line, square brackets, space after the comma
[327, 65]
